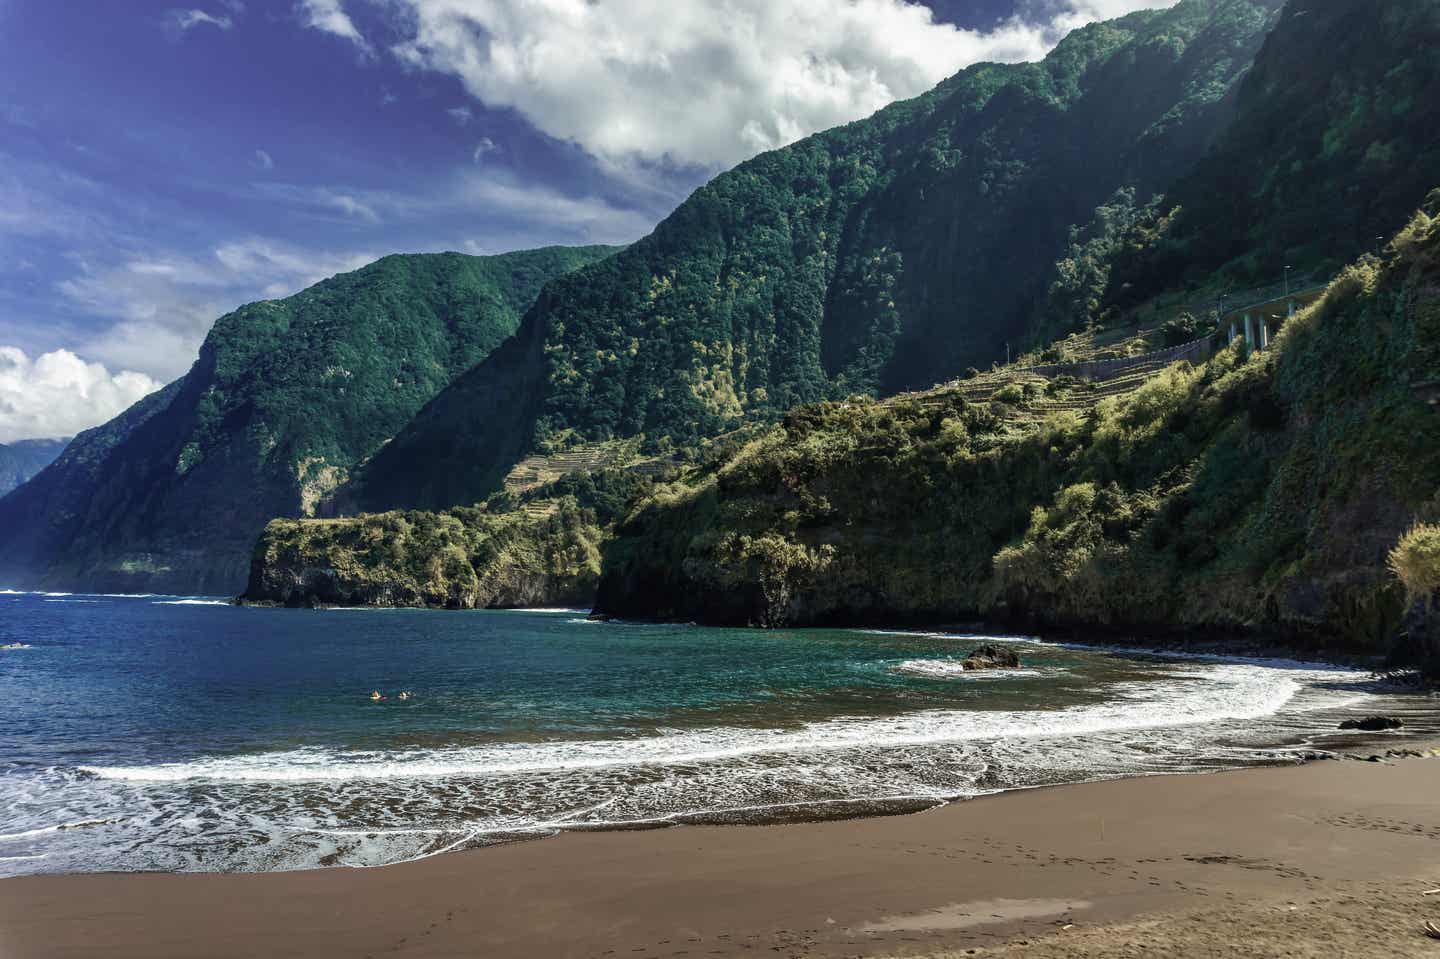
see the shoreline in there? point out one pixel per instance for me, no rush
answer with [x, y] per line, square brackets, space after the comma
[1044, 865]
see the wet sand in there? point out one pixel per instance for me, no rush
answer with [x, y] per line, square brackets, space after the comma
[1331, 858]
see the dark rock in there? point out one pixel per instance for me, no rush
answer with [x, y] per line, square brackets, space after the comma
[990, 656]
[1372, 724]
[599, 617]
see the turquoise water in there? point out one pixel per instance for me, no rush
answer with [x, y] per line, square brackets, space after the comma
[155, 733]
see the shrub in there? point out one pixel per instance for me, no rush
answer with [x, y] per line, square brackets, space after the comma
[1416, 561]
[1182, 329]
[1011, 393]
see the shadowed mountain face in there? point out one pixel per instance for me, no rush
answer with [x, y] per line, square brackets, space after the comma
[878, 256]
[286, 398]
[24, 458]
[1335, 142]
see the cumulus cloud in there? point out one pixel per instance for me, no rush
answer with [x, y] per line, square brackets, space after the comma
[1061, 16]
[59, 394]
[673, 81]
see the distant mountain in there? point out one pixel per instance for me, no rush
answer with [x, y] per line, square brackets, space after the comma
[879, 256]
[286, 398]
[24, 458]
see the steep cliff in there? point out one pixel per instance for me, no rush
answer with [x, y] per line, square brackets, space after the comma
[1258, 490]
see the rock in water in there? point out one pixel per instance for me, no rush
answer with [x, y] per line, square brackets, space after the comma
[1372, 724]
[992, 657]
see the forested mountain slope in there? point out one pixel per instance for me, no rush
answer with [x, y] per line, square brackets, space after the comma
[886, 254]
[287, 396]
[1336, 139]
[1257, 490]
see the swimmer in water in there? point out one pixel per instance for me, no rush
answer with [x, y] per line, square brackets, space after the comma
[405, 695]
[375, 696]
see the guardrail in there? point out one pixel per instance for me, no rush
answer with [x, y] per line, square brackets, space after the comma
[1100, 370]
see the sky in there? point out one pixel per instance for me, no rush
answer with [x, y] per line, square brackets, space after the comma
[162, 164]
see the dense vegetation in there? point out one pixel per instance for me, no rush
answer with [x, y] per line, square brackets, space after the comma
[1254, 490]
[539, 549]
[23, 459]
[886, 254]
[286, 398]
[1337, 136]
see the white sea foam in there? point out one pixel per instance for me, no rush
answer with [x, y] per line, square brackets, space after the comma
[955, 669]
[934, 634]
[543, 609]
[45, 830]
[191, 602]
[1194, 696]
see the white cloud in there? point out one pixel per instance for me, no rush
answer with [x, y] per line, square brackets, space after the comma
[350, 206]
[182, 20]
[161, 306]
[330, 16]
[59, 394]
[461, 115]
[492, 196]
[1066, 15]
[679, 81]
[484, 148]
[263, 160]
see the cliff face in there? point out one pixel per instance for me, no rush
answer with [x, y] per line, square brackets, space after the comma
[1256, 491]
[537, 548]
[286, 398]
[458, 560]
[886, 254]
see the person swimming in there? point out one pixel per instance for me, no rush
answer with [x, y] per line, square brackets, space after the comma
[375, 696]
[405, 695]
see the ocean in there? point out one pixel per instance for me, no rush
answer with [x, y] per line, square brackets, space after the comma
[187, 734]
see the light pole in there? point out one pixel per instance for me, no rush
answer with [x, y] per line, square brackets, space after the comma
[1287, 282]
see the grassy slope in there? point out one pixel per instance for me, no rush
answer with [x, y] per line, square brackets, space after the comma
[286, 398]
[1260, 491]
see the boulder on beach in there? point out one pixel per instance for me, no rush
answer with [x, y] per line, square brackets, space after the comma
[1372, 724]
[990, 656]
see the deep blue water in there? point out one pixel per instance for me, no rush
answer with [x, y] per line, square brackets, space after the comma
[151, 733]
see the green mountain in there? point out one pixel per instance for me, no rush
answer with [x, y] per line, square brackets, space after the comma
[1258, 489]
[1289, 490]
[883, 255]
[286, 398]
[24, 458]
[1334, 142]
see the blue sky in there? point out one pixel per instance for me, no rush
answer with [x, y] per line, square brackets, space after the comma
[162, 163]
